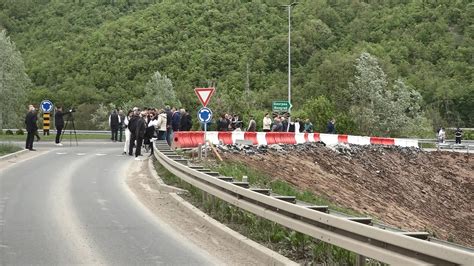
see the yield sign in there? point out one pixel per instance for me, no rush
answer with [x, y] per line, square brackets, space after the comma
[204, 94]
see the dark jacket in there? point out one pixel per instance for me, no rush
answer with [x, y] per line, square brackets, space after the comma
[59, 119]
[30, 122]
[132, 124]
[140, 127]
[114, 120]
[284, 126]
[175, 121]
[186, 123]
[330, 128]
[222, 124]
[169, 114]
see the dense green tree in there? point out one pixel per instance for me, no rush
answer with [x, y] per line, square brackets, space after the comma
[92, 52]
[13, 84]
[378, 110]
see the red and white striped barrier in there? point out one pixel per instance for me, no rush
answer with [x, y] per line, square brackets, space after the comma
[190, 139]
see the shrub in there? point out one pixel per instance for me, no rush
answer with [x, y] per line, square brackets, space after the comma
[20, 132]
[8, 132]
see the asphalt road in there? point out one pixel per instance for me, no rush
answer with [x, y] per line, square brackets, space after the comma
[70, 205]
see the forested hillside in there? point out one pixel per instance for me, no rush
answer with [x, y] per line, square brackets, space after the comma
[83, 53]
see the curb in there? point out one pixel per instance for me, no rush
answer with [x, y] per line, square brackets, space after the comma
[270, 257]
[167, 188]
[13, 155]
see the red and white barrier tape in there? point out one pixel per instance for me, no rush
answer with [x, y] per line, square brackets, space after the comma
[189, 139]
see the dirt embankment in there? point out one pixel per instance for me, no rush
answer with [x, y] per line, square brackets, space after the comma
[407, 188]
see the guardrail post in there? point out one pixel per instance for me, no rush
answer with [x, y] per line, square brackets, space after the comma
[360, 260]
[200, 151]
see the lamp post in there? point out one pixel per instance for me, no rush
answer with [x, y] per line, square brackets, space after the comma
[289, 56]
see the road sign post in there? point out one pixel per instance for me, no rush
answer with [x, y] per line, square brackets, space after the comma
[46, 106]
[204, 114]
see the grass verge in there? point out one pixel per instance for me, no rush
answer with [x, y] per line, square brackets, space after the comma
[7, 148]
[294, 245]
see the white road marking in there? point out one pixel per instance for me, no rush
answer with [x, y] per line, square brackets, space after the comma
[80, 154]
[100, 154]
[61, 153]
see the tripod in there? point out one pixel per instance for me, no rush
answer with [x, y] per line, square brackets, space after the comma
[70, 118]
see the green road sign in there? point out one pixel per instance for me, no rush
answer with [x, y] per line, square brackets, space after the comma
[281, 106]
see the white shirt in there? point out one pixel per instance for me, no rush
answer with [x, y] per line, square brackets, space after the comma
[267, 122]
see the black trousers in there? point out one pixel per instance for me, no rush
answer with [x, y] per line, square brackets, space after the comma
[458, 140]
[29, 140]
[138, 150]
[133, 137]
[120, 133]
[59, 130]
[114, 133]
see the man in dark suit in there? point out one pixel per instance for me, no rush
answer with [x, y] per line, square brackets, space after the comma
[59, 124]
[31, 127]
[114, 123]
[140, 133]
[132, 126]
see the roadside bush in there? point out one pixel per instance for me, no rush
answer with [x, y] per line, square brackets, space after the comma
[20, 132]
[8, 132]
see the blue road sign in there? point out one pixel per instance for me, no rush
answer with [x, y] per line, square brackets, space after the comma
[46, 106]
[205, 115]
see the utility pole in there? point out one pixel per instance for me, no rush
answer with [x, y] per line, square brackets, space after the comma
[289, 56]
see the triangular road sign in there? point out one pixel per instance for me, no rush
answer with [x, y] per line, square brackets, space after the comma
[204, 94]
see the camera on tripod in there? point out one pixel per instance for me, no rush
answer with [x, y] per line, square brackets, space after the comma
[70, 118]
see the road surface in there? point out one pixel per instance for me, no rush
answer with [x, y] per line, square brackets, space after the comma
[70, 205]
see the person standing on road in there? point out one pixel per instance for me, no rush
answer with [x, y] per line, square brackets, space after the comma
[127, 132]
[458, 135]
[169, 114]
[331, 127]
[114, 122]
[297, 125]
[132, 126]
[186, 122]
[140, 133]
[59, 124]
[441, 135]
[31, 127]
[175, 120]
[222, 123]
[252, 125]
[267, 123]
[162, 125]
[308, 126]
[121, 126]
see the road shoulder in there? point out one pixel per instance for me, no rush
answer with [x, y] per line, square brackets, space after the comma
[217, 239]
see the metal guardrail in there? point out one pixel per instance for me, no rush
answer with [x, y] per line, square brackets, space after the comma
[383, 245]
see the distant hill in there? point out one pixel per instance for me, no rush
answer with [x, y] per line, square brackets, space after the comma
[90, 52]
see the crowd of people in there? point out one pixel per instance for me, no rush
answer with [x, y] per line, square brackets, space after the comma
[270, 123]
[142, 127]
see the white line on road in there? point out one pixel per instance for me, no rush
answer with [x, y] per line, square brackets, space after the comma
[80, 154]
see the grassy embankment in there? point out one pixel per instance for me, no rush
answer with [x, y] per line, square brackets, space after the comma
[299, 247]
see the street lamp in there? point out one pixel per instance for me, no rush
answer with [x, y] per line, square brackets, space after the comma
[289, 56]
